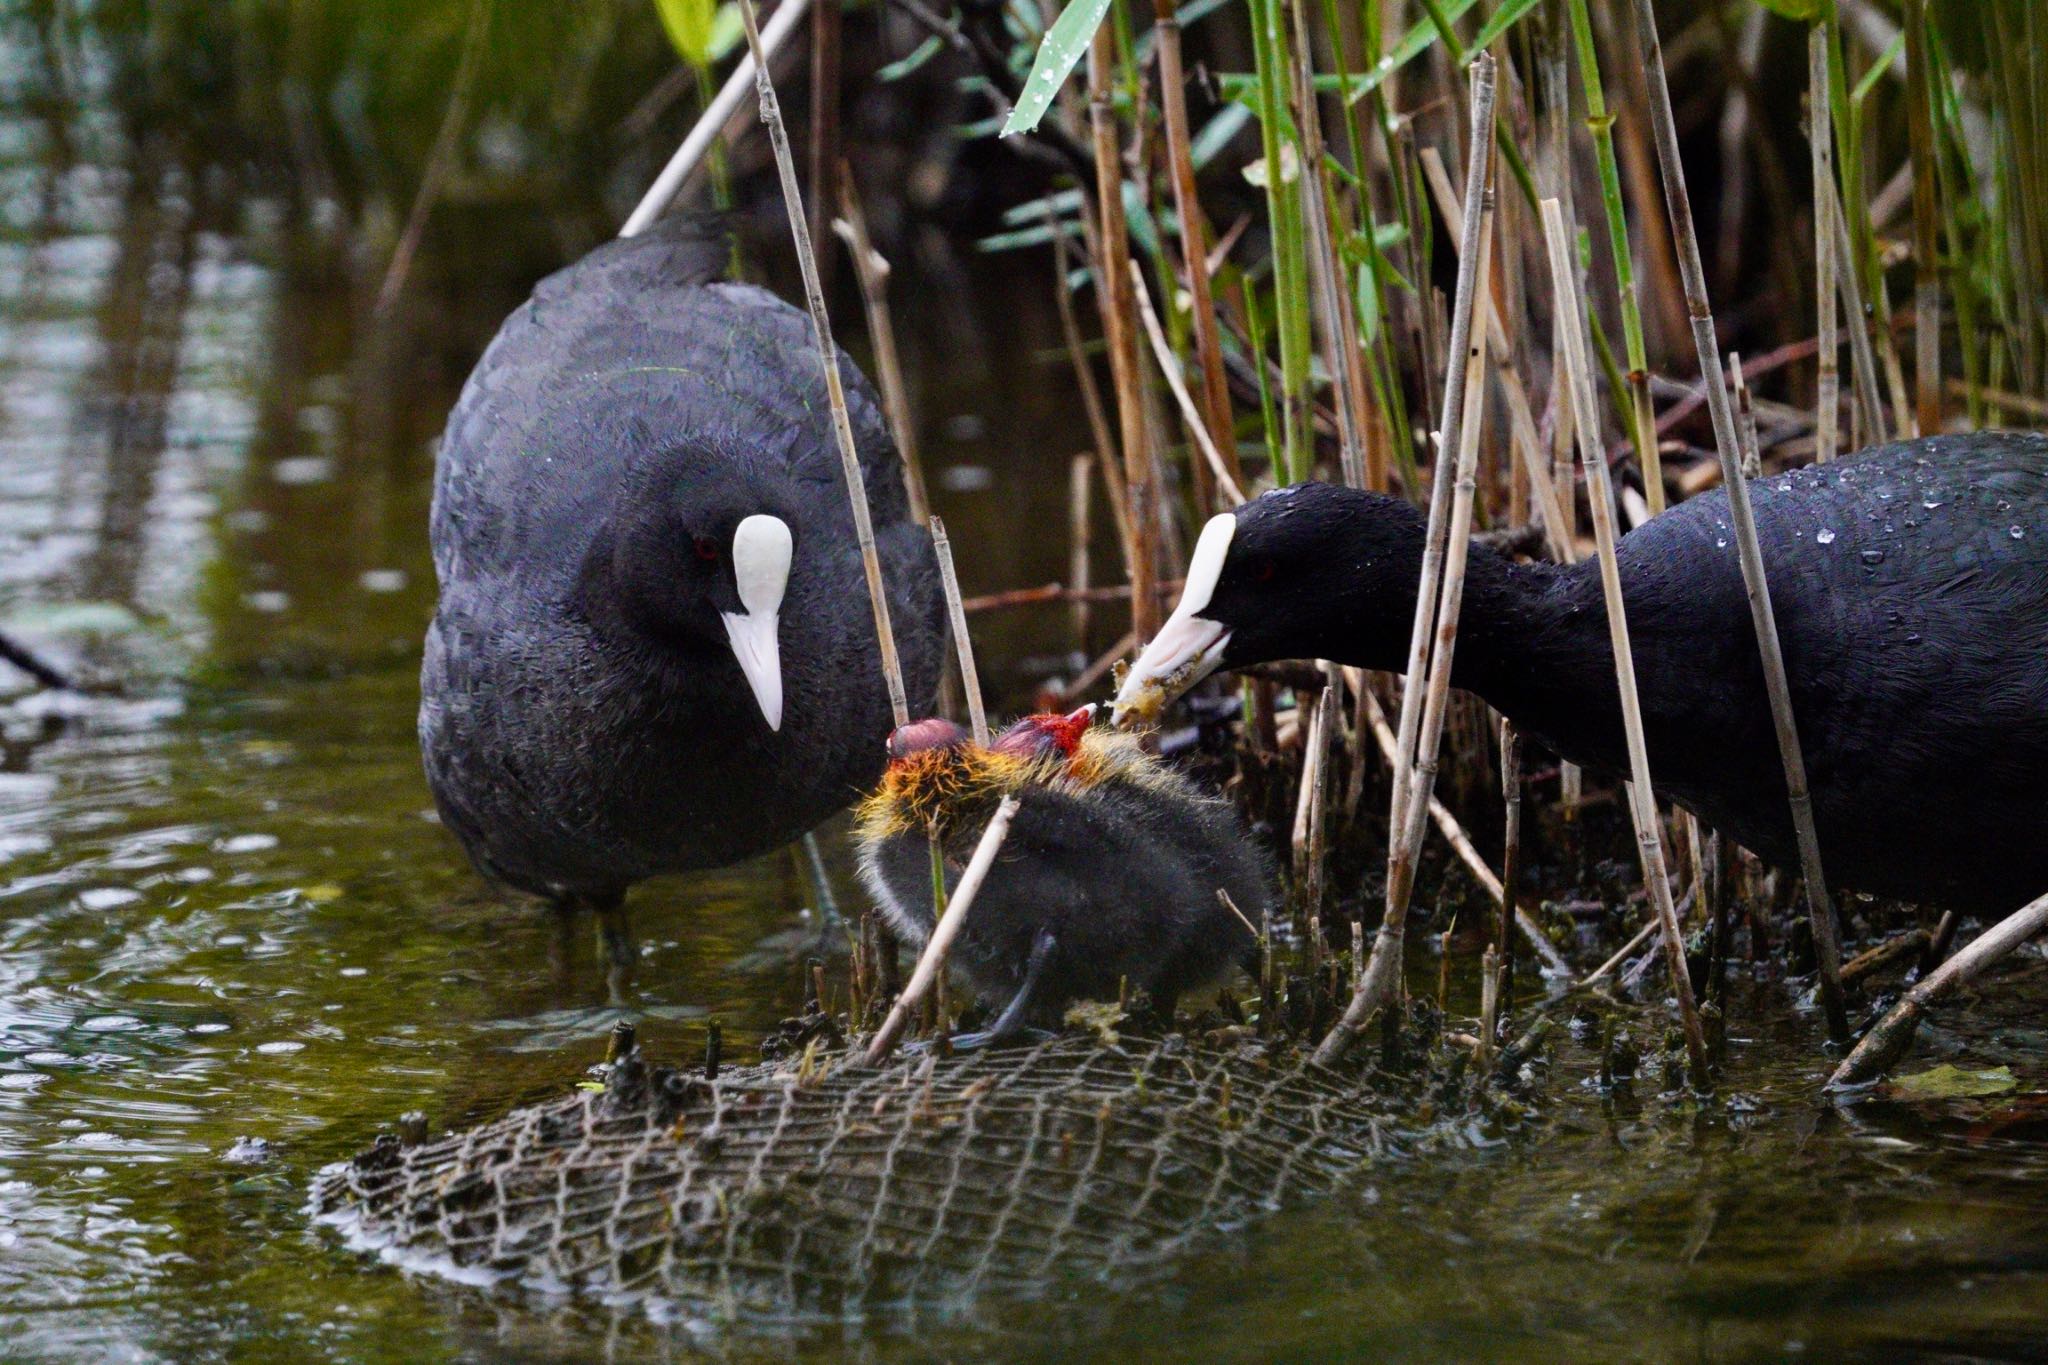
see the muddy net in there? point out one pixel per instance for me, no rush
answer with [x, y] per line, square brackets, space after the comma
[828, 1188]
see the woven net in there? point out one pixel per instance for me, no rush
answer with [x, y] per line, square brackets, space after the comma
[922, 1181]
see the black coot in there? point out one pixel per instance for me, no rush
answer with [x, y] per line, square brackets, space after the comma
[1109, 875]
[653, 649]
[1911, 590]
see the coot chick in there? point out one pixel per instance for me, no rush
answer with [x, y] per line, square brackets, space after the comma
[1911, 590]
[653, 649]
[1109, 875]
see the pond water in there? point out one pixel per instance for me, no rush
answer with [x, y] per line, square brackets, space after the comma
[227, 913]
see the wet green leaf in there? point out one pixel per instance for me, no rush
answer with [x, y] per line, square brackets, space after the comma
[1065, 43]
[688, 25]
[1949, 1082]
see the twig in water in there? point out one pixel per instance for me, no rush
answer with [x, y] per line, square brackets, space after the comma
[1559, 237]
[33, 664]
[945, 930]
[828, 356]
[1889, 1038]
[716, 114]
[1679, 206]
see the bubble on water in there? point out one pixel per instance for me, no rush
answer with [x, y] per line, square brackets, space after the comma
[2018, 533]
[1721, 542]
[1826, 535]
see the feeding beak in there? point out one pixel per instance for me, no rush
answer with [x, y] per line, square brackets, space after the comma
[760, 570]
[1189, 647]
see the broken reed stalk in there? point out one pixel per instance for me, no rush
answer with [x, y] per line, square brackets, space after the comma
[945, 930]
[1889, 1038]
[963, 643]
[1310, 825]
[1080, 536]
[1113, 284]
[1621, 955]
[1169, 365]
[1827, 949]
[1382, 980]
[1489, 1005]
[1600, 123]
[828, 356]
[1521, 421]
[1828, 396]
[1468, 853]
[1187, 206]
[716, 115]
[1476, 179]
[1600, 495]
[871, 268]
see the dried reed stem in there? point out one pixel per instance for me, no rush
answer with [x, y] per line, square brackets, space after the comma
[828, 356]
[1464, 412]
[716, 115]
[1600, 495]
[872, 270]
[1926, 266]
[1187, 206]
[1080, 536]
[1678, 204]
[1468, 852]
[1828, 398]
[1169, 365]
[1889, 1038]
[1310, 825]
[1863, 368]
[963, 643]
[1528, 446]
[1511, 855]
[1477, 176]
[1113, 281]
[946, 929]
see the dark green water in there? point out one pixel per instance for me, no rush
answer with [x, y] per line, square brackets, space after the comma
[226, 912]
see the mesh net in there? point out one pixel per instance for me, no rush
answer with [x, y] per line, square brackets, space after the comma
[923, 1180]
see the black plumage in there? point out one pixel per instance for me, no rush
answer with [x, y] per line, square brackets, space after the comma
[1910, 584]
[1109, 876]
[584, 717]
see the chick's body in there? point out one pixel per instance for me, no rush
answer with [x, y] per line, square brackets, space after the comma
[1109, 876]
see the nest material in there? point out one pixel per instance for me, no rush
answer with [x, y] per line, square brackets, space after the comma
[924, 1181]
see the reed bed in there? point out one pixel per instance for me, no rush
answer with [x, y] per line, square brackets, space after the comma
[1364, 319]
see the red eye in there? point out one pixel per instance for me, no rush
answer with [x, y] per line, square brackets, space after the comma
[1263, 573]
[707, 549]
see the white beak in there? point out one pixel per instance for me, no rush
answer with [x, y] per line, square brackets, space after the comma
[1189, 647]
[760, 568]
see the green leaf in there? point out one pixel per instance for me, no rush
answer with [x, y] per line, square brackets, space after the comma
[1950, 1082]
[919, 55]
[688, 24]
[1805, 11]
[1065, 44]
[1502, 19]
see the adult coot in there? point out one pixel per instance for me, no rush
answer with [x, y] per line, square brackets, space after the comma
[1911, 589]
[653, 649]
[1109, 875]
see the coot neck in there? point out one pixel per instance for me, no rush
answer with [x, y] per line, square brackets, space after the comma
[1533, 644]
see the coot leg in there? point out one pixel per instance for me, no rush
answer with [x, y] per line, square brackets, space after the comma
[615, 930]
[1010, 1023]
